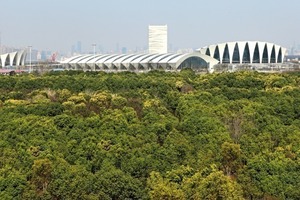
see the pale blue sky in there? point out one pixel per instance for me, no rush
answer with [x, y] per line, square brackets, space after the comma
[57, 24]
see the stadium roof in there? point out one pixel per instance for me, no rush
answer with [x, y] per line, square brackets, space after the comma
[168, 61]
[16, 58]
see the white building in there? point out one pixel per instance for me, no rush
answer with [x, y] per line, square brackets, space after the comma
[140, 62]
[158, 39]
[260, 55]
[16, 58]
[245, 52]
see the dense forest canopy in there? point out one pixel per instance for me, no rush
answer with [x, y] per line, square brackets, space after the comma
[157, 135]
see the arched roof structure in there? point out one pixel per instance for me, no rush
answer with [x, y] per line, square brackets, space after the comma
[16, 58]
[241, 52]
[169, 61]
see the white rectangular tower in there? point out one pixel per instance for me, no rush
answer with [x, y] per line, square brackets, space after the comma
[158, 39]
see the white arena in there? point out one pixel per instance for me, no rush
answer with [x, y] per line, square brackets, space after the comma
[13, 59]
[245, 52]
[258, 55]
[141, 62]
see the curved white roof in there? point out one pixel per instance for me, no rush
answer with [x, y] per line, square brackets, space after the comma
[165, 61]
[21, 57]
[168, 58]
[16, 58]
[97, 57]
[86, 60]
[131, 59]
[104, 58]
[177, 58]
[70, 59]
[139, 59]
[149, 58]
[113, 58]
[3, 59]
[121, 59]
[160, 57]
[78, 59]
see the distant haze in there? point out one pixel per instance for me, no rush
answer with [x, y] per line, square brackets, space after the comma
[56, 25]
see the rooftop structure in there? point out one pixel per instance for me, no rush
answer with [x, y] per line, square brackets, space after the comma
[141, 62]
[16, 58]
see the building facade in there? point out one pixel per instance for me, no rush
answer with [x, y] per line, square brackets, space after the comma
[13, 59]
[233, 55]
[245, 52]
[158, 39]
[140, 62]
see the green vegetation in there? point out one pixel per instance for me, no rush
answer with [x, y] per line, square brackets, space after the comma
[75, 135]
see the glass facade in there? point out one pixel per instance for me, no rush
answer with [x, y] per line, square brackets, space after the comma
[265, 55]
[217, 54]
[226, 58]
[273, 57]
[236, 54]
[279, 58]
[246, 56]
[245, 52]
[256, 58]
[194, 63]
[7, 61]
[207, 52]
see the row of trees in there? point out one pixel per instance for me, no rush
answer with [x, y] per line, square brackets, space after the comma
[159, 135]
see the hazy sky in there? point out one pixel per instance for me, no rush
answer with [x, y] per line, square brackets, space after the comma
[58, 24]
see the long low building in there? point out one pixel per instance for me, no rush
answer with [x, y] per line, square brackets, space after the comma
[141, 62]
[13, 59]
[242, 52]
[235, 54]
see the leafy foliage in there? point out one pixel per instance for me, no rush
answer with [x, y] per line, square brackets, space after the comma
[156, 135]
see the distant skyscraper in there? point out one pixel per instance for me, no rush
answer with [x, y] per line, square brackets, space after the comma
[73, 49]
[124, 50]
[158, 39]
[79, 47]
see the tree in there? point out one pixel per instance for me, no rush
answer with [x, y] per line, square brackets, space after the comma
[41, 174]
[231, 158]
[218, 186]
[163, 189]
[13, 184]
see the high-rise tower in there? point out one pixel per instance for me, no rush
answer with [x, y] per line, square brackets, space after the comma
[158, 39]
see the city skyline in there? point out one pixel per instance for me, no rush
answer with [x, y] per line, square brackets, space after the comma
[58, 25]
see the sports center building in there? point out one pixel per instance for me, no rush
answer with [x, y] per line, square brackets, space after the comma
[240, 53]
[245, 52]
[141, 62]
[14, 59]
